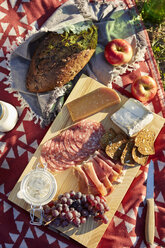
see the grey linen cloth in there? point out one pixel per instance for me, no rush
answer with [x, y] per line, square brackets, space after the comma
[113, 19]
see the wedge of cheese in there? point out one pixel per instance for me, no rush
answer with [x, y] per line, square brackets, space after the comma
[92, 103]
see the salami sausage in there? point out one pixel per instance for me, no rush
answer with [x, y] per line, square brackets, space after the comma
[72, 146]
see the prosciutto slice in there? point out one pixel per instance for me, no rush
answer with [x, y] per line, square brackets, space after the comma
[86, 186]
[117, 167]
[90, 171]
[102, 176]
[108, 170]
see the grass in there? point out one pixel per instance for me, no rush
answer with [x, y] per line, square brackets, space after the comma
[156, 32]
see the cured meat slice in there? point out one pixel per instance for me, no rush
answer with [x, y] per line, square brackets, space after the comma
[87, 136]
[82, 133]
[46, 147]
[74, 152]
[103, 177]
[72, 146]
[56, 165]
[86, 186]
[69, 143]
[108, 170]
[56, 146]
[52, 159]
[93, 142]
[46, 160]
[117, 167]
[64, 155]
[59, 155]
[88, 168]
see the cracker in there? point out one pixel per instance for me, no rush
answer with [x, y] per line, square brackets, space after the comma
[146, 150]
[138, 157]
[107, 138]
[126, 157]
[115, 149]
[145, 142]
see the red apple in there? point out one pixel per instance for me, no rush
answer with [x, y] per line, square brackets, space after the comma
[144, 88]
[118, 52]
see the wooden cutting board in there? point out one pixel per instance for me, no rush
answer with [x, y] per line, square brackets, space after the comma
[88, 234]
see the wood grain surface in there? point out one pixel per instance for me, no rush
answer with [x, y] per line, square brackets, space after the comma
[88, 234]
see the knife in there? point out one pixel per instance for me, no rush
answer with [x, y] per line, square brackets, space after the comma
[150, 215]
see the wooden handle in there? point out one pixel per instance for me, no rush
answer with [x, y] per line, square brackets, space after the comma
[150, 222]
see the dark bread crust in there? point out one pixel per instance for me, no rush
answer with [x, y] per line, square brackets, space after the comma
[56, 62]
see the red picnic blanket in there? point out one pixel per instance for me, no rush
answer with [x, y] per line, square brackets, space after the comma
[17, 147]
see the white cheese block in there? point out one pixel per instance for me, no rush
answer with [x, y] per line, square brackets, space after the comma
[132, 117]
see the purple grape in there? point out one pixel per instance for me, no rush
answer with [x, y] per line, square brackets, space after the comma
[63, 200]
[65, 207]
[104, 219]
[76, 222]
[69, 216]
[76, 214]
[90, 207]
[72, 194]
[63, 216]
[69, 201]
[58, 205]
[67, 195]
[100, 206]
[97, 198]
[83, 219]
[79, 208]
[93, 212]
[78, 195]
[60, 196]
[86, 205]
[47, 209]
[55, 212]
[54, 207]
[85, 213]
[90, 198]
[75, 204]
[83, 199]
[75, 207]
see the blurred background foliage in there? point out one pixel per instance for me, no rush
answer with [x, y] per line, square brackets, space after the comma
[156, 32]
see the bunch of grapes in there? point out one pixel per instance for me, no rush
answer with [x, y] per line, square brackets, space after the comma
[75, 208]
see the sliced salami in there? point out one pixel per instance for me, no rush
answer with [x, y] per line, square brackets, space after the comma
[93, 142]
[72, 146]
[60, 155]
[73, 151]
[69, 144]
[46, 147]
[87, 136]
[63, 152]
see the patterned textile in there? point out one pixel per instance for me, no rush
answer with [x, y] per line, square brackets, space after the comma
[17, 18]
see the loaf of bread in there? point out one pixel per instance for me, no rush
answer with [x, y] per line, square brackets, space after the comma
[59, 58]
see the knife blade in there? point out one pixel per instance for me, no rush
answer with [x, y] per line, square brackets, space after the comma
[150, 215]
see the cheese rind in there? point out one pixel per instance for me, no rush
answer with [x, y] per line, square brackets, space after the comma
[132, 117]
[92, 103]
